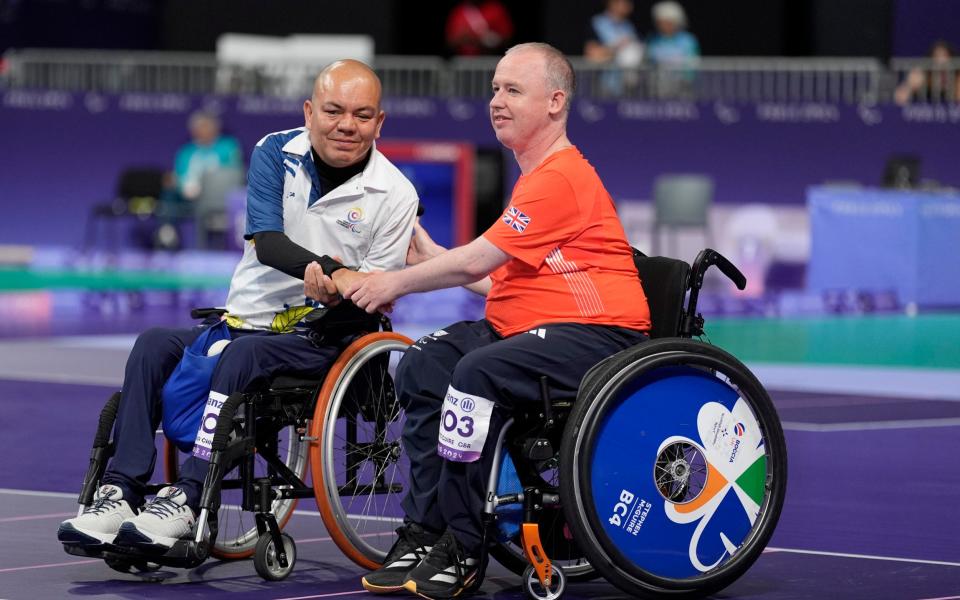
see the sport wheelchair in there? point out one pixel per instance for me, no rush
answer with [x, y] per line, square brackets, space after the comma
[261, 449]
[666, 476]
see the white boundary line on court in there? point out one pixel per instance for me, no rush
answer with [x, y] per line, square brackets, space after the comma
[871, 425]
[16, 492]
[330, 595]
[920, 561]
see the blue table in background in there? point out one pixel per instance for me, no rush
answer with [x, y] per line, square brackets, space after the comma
[875, 240]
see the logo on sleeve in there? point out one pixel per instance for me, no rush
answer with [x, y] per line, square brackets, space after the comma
[516, 219]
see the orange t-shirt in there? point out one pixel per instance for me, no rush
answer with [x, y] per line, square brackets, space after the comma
[570, 260]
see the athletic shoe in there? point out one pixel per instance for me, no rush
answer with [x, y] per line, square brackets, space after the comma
[99, 523]
[160, 524]
[412, 545]
[446, 572]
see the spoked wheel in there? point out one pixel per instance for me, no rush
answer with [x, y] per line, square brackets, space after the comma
[535, 590]
[237, 530]
[266, 560]
[359, 470]
[673, 469]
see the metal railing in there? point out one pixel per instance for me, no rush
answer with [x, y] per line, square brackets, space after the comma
[734, 79]
[925, 81]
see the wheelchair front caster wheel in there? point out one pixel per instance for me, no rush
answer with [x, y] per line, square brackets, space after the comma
[266, 561]
[536, 590]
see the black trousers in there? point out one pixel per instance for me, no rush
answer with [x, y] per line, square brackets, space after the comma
[472, 358]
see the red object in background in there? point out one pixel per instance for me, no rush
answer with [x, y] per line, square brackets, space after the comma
[458, 154]
[475, 28]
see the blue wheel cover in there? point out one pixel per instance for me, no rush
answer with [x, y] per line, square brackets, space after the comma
[677, 405]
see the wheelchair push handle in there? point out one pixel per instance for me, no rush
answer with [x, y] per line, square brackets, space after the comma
[709, 257]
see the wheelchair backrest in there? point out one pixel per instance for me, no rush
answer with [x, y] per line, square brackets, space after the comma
[665, 282]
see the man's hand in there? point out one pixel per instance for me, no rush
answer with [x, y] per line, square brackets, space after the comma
[344, 278]
[320, 287]
[422, 247]
[375, 292]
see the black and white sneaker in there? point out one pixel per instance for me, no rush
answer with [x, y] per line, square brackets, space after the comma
[446, 572]
[412, 545]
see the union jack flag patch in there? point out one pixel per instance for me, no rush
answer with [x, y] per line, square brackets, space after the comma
[516, 219]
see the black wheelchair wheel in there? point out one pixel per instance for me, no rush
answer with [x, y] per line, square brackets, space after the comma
[266, 558]
[673, 469]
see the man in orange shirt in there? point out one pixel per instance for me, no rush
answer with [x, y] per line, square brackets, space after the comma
[562, 294]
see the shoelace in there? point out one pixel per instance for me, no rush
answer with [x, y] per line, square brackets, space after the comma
[102, 504]
[162, 507]
[445, 552]
[406, 544]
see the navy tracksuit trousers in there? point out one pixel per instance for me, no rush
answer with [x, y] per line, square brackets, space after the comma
[251, 359]
[474, 359]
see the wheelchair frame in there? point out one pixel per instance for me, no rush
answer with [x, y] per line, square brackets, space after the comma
[287, 402]
[668, 282]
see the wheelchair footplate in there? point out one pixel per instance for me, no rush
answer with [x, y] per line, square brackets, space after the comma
[184, 554]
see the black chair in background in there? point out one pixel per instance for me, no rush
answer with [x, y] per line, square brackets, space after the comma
[902, 171]
[138, 194]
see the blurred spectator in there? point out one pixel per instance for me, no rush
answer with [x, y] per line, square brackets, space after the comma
[207, 150]
[612, 39]
[939, 83]
[672, 49]
[476, 27]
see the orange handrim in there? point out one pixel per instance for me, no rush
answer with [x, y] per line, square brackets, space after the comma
[317, 428]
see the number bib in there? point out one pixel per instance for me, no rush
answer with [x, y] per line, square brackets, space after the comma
[464, 422]
[203, 445]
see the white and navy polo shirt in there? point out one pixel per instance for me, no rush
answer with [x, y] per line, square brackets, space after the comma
[367, 221]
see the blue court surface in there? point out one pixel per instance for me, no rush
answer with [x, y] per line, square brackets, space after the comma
[871, 509]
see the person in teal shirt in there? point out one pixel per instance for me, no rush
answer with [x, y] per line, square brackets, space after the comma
[207, 150]
[672, 51]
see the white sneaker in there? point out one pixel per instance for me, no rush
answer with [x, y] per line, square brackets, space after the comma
[160, 524]
[98, 523]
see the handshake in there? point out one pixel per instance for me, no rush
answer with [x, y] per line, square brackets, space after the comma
[375, 291]
[329, 289]
[343, 283]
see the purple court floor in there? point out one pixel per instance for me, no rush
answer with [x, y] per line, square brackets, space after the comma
[871, 511]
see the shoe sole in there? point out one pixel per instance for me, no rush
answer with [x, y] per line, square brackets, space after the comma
[411, 586]
[132, 537]
[71, 536]
[380, 589]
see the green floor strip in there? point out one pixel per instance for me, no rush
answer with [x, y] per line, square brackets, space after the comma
[21, 280]
[929, 341]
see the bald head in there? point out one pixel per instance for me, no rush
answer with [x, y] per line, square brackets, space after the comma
[351, 73]
[343, 115]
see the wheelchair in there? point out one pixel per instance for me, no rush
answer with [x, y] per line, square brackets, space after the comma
[666, 476]
[262, 445]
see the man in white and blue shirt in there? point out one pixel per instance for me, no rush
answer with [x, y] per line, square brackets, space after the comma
[314, 193]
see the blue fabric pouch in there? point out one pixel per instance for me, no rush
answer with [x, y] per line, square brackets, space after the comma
[185, 393]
